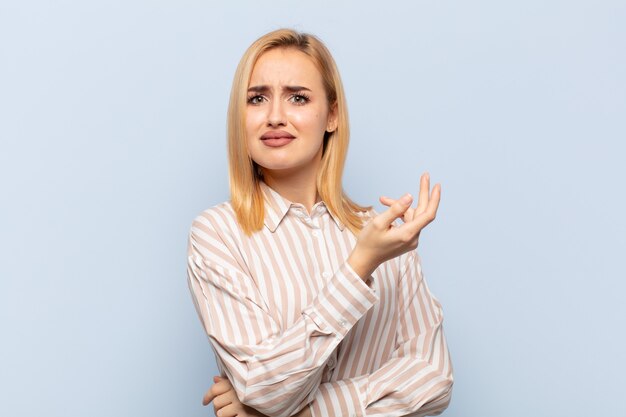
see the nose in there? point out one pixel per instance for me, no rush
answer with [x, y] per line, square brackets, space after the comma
[276, 114]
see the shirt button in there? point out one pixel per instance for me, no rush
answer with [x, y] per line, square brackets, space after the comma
[326, 274]
[331, 363]
[315, 233]
[343, 323]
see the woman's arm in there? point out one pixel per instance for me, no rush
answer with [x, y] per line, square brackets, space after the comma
[274, 370]
[417, 380]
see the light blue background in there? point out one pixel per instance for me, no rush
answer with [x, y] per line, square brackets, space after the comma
[112, 132]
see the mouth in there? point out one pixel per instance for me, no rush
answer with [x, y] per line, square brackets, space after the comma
[276, 142]
[275, 138]
[277, 134]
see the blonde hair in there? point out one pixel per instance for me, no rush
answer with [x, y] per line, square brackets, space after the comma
[245, 190]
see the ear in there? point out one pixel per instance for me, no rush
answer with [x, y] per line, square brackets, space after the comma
[331, 125]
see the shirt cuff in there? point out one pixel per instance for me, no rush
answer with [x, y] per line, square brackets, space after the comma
[342, 302]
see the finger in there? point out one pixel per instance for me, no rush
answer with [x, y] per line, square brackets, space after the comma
[435, 197]
[422, 201]
[208, 397]
[217, 389]
[387, 201]
[408, 215]
[222, 386]
[222, 401]
[422, 219]
[222, 379]
[231, 410]
[396, 210]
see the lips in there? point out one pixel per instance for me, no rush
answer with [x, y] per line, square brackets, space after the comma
[277, 134]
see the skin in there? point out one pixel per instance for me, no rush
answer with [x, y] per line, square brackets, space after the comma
[227, 404]
[381, 240]
[292, 169]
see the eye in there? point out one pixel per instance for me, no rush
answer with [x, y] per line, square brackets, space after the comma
[253, 99]
[300, 98]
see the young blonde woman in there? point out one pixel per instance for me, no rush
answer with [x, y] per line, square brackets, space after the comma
[313, 304]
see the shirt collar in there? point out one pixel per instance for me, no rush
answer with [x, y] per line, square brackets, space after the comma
[277, 206]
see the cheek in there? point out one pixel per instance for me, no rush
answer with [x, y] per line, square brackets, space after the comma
[254, 125]
[309, 121]
[251, 133]
[253, 119]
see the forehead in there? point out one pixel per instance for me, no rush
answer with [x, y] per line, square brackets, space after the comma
[285, 66]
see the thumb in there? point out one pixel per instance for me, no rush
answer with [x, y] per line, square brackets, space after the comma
[397, 209]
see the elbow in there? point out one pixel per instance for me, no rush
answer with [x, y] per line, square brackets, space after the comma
[441, 403]
[443, 399]
[447, 397]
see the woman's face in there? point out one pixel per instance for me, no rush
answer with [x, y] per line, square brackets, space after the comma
[286, 98]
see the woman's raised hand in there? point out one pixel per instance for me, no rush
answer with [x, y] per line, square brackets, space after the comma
[422, 202]
[381, 240]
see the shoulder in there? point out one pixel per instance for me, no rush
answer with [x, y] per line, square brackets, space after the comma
[219, 212]
[215, 236]
[218, 220]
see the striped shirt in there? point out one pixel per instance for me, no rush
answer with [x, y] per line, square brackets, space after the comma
[291, 323]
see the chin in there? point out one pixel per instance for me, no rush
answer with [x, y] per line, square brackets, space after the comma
[278, 163]
[279, 167]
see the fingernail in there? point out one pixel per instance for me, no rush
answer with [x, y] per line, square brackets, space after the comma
[406, 199]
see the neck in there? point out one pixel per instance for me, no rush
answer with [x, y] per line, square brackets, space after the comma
[297, 186]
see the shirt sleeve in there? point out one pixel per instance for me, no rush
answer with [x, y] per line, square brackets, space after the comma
[418, 377]
[274, 370]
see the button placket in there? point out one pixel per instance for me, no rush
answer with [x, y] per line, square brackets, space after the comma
[315, 220]
[331, 363]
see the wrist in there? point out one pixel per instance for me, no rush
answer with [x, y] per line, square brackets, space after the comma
[361, 265]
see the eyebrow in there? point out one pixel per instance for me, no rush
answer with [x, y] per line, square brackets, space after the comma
[265, 88]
